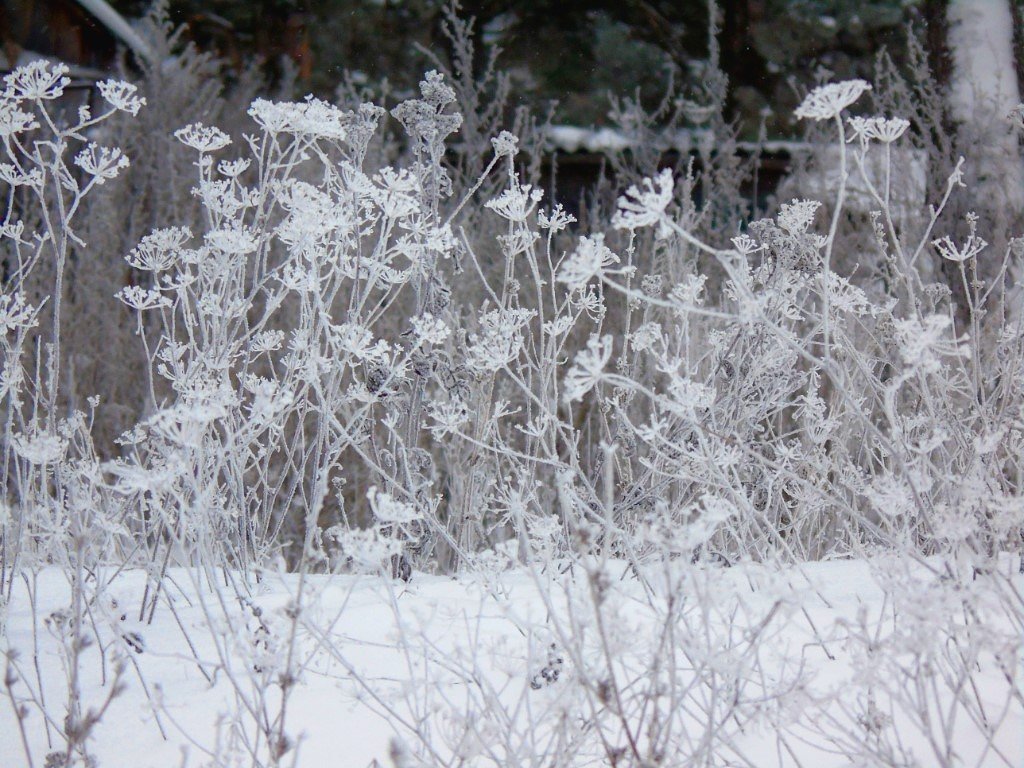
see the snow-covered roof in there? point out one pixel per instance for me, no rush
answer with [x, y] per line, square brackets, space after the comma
[572, 138]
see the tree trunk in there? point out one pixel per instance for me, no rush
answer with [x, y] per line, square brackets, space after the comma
[983, 88]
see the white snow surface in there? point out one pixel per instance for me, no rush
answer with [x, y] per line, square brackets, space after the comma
[403, 653]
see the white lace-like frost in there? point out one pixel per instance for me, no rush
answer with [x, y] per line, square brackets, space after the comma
[14, 120]
[499, 340]
[121, 96]
[588, 368]
[202, 138]
[448, 418]
[588, 261]
[157, 251]
[232, 169]
[922, 343]
[877, 128]
[16, 312]
[10, 174]
[827, 101]
[950, 251]
[235, 242]
[142, 299]
[645, 206]
[505, 144]
[313, 118]
[796, 217]
[516, 203]
[387, 509]
[745, 244]
[42, 448]
[37, 81]
[555, 220]
[396, 192]
[104, 163]
[429, 329]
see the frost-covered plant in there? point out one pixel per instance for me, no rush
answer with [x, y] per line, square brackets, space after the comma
[51, 475]
[361, 363]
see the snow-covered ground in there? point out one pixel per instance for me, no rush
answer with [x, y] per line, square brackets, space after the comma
[483, 667]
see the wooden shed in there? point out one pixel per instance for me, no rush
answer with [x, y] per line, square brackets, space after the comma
[84, 34]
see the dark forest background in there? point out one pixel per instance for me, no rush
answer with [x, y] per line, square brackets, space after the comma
[571, 51]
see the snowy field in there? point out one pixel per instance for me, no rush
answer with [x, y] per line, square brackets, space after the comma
[495, 671]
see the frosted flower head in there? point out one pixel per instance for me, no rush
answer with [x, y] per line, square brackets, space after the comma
[13, 228]
[424, 119]
[516, 203]
[364, 549]
[401, 181]
[890, 130]
[952, 252]
[266, 341]
[16, 312]
[232, 169]
[202, 138]
[689, 291]
[37, 81]
[316, 118]
[269, 399]
[429, 329]
[505, 144]
[435, 90]
[588, 369]
[158, 250]
[745, 244]
[272, 116]
[11, 175]
[40, 448]
[890, 496]
[396, 193]
[356, 340]
[499, 340]
[555, 328]
[556, 220]
[588, 261]
[387, 509]
[103, 163]
[233, 241]
[448, 418]
[877, 129]
[14, 120]
[362, 126]
[121, 96]
[645, 205]
[653, 285]
[827, 101]
[922, 343]
[646, 338]
[796, 217]
[862, 128]
[142, 299]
